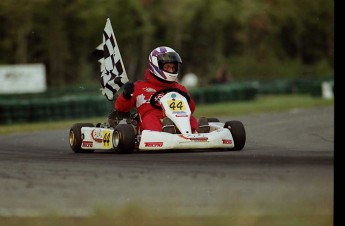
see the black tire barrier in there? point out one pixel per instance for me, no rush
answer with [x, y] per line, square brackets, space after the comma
[224, 93]
[37, 110]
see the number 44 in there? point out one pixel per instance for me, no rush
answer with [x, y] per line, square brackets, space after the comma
[176, 105]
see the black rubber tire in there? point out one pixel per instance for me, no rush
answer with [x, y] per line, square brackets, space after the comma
[75, 137]
[238, 133]
[213, 120]
[125, 136]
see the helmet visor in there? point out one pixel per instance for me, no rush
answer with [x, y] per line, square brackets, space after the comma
[170, 67]
[170, 57]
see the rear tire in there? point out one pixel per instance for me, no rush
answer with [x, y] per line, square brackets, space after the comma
[124, 138]
[76, 139]
[238, 133]
[213, 120]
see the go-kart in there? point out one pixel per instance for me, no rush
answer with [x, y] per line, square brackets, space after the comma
[124, 136]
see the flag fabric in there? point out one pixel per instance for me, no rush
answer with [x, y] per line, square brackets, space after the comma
[113, 73]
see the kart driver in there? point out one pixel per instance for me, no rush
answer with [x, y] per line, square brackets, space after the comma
[164, 64]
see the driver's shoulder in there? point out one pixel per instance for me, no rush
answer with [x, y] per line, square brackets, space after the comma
[180, 86]
[140, 83]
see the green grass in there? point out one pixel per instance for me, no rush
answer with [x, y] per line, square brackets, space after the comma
[133, 220]
[261, 104]
[139, 215]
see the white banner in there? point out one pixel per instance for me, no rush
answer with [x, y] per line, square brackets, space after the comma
[22, 78]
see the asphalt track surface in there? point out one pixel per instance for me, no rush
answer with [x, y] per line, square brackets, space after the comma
[286, 167]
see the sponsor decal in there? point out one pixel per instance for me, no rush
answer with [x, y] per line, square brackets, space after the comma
[158, 97]
[141, 99]
[149, 90]
[180, 135]
[196, 139]
[87, 144]
[96, 135]
[173, 96]
[180, 112]
[227, 141]
[199, 139]
[153, 144]
[106, 139]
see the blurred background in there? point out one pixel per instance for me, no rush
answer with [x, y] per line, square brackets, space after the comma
[282, 42]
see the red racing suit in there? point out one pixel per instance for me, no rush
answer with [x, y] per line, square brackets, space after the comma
[150, 117]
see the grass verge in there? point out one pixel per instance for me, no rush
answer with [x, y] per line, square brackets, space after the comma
[262, 104]
[245, 220]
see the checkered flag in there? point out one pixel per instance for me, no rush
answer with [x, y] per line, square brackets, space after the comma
[113, 73]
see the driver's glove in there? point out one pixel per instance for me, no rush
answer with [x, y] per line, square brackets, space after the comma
[128, 90]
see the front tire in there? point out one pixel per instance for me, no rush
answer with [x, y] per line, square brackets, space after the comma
[124, 138]
[238, 133]
[76, 139]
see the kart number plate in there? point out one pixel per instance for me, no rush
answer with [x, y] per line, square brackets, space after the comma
[106, 139]
[176, 105]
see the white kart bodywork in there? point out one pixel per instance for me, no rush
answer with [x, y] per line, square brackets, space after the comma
[153, 140]
[95, 138]
[175, 106]
[177, 109]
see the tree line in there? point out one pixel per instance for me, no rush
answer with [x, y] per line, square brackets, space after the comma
[250, 38]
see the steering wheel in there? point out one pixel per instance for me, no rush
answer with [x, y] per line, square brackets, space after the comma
[155, 102]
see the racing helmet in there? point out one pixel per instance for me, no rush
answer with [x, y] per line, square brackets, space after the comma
[160, 56]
